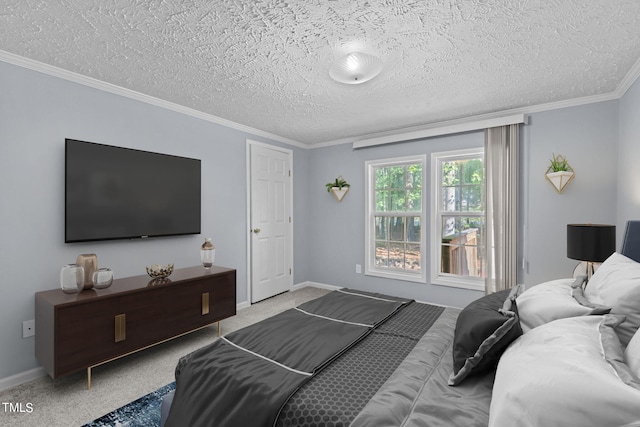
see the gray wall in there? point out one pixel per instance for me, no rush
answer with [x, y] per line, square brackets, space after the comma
[587, 135]
[37, 112]
[337, 229]
[629, 159]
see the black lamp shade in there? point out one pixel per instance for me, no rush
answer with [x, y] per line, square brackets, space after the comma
[590, 242]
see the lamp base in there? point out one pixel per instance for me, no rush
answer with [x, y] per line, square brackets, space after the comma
[585, 268]
[590, 271]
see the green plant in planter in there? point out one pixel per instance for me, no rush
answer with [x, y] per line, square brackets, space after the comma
[559, 164]
[339, 182]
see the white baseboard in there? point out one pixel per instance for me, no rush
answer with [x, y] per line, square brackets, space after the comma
[244, 304]
[315, 285]
[301, 285]
[21, 378]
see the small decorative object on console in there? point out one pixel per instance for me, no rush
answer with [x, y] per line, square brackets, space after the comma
[90, 263]
[72, 278]
[158, 271]
[207, 253]
[102, 278]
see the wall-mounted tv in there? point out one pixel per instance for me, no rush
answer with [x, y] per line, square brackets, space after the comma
[121, 193]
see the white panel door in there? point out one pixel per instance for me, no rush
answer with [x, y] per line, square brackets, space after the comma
[271, 227]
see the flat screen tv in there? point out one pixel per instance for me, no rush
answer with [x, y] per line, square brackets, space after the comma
[121, 193]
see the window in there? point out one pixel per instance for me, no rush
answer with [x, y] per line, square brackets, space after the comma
[395, 216]
[458, 226]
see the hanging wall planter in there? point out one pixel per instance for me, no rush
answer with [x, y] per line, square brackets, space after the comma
[559, 173]
[339, 188]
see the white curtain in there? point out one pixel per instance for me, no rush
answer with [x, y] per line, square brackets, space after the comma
[501, 167]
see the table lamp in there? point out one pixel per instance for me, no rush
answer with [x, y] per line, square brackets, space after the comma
[590, 243]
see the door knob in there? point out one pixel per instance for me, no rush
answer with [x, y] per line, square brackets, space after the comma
[256, 230]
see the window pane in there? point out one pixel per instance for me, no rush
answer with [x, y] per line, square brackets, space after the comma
[397, 201]
[382, 227]
[475, 224]
[396, 174]
[449, 262]
[450, 227]
[472, 171]
[382, 254]
[414, 176]
[472, 198]
[382, 201]
[470, 241]
[450, 199]
[399, 188]
[414, 199]
[450, 173]
[473, 263]
[413, 229]
[463, 186]
[396, 255]
[382, 178]
[413, 257]
[396, 229]
[462, 251]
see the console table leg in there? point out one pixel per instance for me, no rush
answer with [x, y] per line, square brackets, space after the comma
[89, 378]
[218, 328]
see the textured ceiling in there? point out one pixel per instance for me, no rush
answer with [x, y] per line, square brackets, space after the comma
[264, 63]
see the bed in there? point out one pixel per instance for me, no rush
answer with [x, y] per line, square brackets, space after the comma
[352, 358]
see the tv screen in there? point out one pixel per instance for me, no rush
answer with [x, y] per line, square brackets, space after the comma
[121, 193]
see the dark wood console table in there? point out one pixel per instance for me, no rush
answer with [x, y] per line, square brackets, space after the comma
[93, 327]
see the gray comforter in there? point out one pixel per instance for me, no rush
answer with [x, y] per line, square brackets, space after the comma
[394, 374]
[244, 378]
[417, 394]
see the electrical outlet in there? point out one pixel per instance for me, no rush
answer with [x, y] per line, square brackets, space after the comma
[358, 268]
[28, 328]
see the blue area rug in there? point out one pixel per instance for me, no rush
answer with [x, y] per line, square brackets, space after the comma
[143, 412]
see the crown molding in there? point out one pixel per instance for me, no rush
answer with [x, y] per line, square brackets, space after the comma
[51, 70]
[629, 79]
[372, 139]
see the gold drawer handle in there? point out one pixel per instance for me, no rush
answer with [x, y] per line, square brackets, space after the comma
[205, 303]
[121, 327]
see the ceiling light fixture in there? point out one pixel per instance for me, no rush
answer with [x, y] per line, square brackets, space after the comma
[356, 68]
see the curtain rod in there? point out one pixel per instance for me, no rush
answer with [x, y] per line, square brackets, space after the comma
[440, 129]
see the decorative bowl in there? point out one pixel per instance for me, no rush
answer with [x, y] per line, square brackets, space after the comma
[158, 271]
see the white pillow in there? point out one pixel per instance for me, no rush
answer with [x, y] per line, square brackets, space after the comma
[616, 284]
[552, 300]
[569, 372]
[632, 354]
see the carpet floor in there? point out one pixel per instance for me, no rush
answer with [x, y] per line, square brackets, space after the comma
[67, 402]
